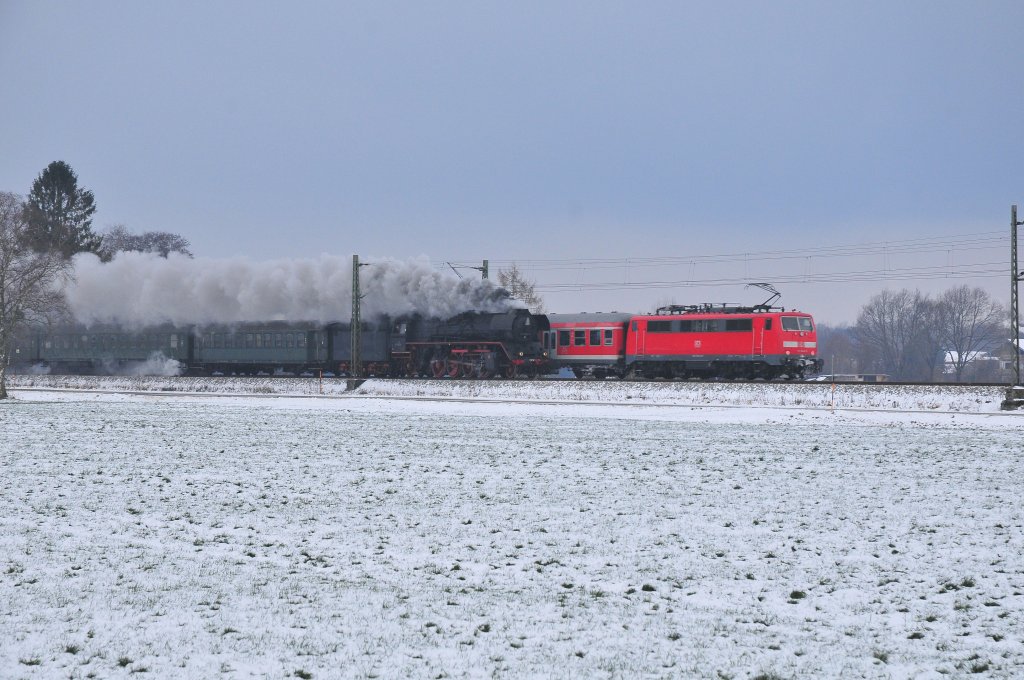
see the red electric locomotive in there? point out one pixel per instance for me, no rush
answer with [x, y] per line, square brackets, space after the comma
[698, 341]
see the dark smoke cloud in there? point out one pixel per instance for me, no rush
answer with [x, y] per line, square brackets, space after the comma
[143, 288]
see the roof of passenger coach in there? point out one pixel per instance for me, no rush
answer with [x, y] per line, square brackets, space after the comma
[596, 317]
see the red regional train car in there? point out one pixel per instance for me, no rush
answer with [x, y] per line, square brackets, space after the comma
[701, 341]
[589, 344]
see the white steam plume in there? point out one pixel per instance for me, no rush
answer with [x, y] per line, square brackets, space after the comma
[141, 289]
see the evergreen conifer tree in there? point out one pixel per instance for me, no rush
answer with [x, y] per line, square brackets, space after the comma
[60, 213]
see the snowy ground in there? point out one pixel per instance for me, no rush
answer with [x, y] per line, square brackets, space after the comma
[200, 536]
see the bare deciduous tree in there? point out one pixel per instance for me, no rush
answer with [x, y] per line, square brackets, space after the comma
[969, 323]
[30, 281]
[897, 329]
[519, 287]
[118, 239]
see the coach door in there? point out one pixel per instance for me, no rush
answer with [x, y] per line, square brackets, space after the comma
[639, 331]
[551, 343]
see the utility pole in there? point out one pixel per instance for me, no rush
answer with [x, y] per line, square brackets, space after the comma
[1016, 276]
[1015, 394]
[356, 368]
[484, 270]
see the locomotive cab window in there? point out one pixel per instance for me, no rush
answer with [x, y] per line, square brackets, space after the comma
[791, 323]
[767, 324]
[805, 324]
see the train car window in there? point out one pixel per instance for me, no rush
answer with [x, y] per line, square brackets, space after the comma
[248, 340]
[300, 340]
[579, 338]
[563, 338]
[259, 340]
[289, 340]
[659, 326]
[805, 324]
[790, 323]
[595, 337]
[278, 340]
[267, 341]
[608, 337]
[229, 340]
[739, 324]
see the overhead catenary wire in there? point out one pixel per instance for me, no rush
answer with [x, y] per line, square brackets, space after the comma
[975, 243]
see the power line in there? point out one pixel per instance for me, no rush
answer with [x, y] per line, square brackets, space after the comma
[960, 242]
[980, 270]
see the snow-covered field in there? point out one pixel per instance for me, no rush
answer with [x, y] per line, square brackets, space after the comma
[367, 536]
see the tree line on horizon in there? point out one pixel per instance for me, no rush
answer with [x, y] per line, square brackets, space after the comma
[908, 335]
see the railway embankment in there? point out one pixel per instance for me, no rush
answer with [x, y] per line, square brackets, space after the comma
[937, 397]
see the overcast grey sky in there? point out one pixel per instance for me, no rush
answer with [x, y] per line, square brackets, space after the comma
[534, 132]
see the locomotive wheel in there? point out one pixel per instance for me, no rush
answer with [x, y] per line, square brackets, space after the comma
[511, 371]
[484, 373]
[437, 368]
[453, 368]
[468, 371]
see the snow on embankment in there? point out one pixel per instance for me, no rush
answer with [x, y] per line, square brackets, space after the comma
[811, 395]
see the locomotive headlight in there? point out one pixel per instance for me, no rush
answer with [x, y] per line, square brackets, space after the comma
[544, 354]
[520, 354]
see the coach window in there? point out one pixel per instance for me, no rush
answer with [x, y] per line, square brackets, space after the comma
[278, 340]
[595, 338]
[300, 339]
[563, 338]
[608, 337]
[289, 340]
[267, 342]
[249, 340]
[579, 338]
